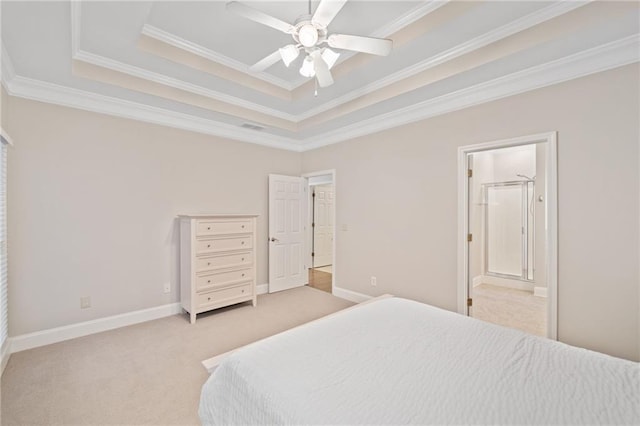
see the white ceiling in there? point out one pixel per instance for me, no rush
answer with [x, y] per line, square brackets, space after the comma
[186, 64]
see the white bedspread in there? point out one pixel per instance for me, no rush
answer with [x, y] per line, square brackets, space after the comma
[397, 361]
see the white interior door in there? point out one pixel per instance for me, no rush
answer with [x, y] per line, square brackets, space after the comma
[287, 208]
[323, 225]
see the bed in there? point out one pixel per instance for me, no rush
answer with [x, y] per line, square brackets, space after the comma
[396, 361]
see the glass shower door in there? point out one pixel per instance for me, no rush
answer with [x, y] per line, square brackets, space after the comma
[508, 230]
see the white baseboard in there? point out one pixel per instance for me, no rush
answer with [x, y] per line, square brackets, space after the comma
[59, 334]
[540, 291]
[353, 296]
[72, 331]
[6, 353]
[477, 280]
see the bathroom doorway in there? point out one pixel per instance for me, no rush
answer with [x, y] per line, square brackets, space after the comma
[508, 235]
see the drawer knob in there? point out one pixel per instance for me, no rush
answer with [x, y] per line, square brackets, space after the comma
[243, 291]
[209, 298]
[208, 245]
[243, 258]
[242, 226]
[208, 281]
[208, 228]
[242, 242]
[208, 263]
[243, 275]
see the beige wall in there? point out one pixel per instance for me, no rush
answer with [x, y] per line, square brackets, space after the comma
[92, 202]
[397, 193]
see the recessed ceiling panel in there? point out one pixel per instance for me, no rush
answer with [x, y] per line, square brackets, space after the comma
[93, 55]
[209, 25]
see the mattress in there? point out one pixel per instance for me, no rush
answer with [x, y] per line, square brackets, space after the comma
[397, 361]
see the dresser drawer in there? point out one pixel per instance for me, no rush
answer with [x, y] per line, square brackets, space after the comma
[210, 227]
[224, 244]
[222, 279]
[213, 297]
[223, 261]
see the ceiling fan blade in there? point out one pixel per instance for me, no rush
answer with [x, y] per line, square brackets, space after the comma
[322, 71]
[258, 16]
[375, 46]
[327, 10]
[265, 63]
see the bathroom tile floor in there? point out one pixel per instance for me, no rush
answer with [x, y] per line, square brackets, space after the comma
[511, 308]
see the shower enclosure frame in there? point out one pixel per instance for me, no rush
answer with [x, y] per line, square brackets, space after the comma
[527, 229]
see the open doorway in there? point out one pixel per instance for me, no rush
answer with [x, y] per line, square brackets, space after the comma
[320, 238]
[509, 226]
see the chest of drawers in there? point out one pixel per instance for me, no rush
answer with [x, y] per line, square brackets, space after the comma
[217, 261]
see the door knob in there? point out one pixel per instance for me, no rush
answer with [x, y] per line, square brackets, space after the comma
[273, 240]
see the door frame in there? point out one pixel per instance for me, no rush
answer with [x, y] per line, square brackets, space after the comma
[309, 232]
[551, 190]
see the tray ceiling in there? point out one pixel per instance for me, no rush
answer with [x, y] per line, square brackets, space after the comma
[186, 64]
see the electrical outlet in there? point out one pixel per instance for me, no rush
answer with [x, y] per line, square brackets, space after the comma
[167, 288]
[374, 281]
[85, 302]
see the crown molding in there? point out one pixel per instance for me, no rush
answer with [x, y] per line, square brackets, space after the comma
[521, 24]
[7, 71]
[66, 96]
[81, 55]
[528, 21]
[601, 58]
[114, 65]
[196, 49]
[390, 28]
[408, 18]
[78, 54]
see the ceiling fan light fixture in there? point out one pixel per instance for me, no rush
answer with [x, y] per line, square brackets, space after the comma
[308, 35]
[289, 53]
[330, 57]
[307, 69]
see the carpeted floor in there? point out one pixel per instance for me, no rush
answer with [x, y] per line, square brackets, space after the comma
[511, 308]
[149, 373]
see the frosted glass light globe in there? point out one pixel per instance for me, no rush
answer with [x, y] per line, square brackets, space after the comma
[330, 57]
[307, 69]
[308, 35]
[289, 53]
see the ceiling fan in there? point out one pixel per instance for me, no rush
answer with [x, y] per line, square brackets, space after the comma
[309, 32]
